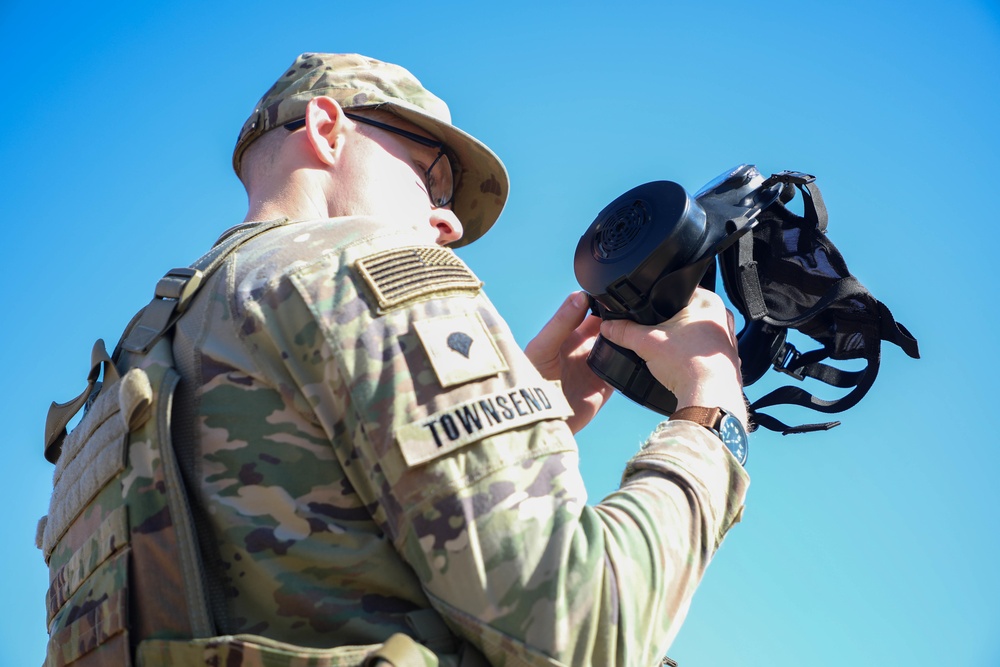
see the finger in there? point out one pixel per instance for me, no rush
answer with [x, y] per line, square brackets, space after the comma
[591, 327]
[579, 303]
[622, 332]
[565, 320]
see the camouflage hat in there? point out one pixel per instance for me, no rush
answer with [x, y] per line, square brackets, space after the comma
[358, 82]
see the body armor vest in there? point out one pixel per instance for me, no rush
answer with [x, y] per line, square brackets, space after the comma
[127, 585]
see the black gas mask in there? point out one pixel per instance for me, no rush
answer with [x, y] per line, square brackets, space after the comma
[648, 250]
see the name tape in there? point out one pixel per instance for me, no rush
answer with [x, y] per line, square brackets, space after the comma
[478, 418]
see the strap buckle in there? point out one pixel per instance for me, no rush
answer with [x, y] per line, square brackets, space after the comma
[172, 296]
[786, 361]
[793, 177]
[179, 285]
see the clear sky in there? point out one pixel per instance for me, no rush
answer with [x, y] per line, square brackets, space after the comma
[872, 544]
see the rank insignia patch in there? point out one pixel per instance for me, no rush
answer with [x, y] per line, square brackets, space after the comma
[460, 348]
[404, 274]
[460, 342]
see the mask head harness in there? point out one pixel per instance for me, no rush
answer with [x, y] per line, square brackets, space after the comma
[647, 251]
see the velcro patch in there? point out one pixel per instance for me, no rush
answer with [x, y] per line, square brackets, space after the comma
[403, 274]
[460, 348]
[478, 418]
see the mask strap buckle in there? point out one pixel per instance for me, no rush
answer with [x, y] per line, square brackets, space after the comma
[787, 362]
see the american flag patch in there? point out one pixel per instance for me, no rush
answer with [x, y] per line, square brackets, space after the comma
[404, 274]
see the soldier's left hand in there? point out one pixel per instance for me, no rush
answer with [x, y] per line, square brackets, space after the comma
[559, 352]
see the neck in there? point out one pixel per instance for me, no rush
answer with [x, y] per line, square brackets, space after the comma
[294, 198]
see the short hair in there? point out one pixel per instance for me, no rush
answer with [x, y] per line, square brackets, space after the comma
[260, 156]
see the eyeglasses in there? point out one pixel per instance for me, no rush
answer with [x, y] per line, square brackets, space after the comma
[440, 175]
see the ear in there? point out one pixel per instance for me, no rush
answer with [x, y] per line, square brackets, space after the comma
[325, 128]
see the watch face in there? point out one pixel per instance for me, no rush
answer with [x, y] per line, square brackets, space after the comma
[734, 436]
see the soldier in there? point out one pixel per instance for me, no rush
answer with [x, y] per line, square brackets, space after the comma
[369, 455]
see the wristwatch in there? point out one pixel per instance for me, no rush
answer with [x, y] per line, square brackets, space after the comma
[728, 428]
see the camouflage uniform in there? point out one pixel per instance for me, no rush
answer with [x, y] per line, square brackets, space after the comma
[370, 442]
[368, 455]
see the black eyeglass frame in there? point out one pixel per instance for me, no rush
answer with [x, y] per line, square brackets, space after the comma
[412, 136]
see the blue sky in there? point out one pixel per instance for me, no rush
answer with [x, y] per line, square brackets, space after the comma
[872, 544]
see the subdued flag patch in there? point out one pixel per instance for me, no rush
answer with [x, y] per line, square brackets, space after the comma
[403, 274]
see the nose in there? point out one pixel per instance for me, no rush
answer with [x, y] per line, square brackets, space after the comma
[447, 224]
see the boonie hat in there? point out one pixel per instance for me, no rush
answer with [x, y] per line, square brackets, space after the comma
[359, 82]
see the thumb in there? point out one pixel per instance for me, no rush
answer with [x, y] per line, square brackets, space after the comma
[544, 349]
[569, 316]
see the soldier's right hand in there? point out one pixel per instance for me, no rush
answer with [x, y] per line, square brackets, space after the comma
[693, 354]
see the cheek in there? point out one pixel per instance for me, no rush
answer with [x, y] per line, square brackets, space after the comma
[396, 190]
[405, 186]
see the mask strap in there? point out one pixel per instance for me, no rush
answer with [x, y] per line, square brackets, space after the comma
[749, 281]
[814, 206]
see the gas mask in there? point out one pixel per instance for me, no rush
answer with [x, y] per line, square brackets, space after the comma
[646, 252]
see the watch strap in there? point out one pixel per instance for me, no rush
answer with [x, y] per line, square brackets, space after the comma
[729, 429]
[707, 417]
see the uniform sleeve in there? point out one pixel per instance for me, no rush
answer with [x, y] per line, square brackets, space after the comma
[460, 450]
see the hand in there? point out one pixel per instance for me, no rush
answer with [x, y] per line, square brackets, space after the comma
[693, 354]
[559, 352]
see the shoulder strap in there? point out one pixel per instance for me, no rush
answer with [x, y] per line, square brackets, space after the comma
[176, 289]
[171, 298]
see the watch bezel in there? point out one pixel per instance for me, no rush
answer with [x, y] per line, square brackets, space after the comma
[734, 436]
